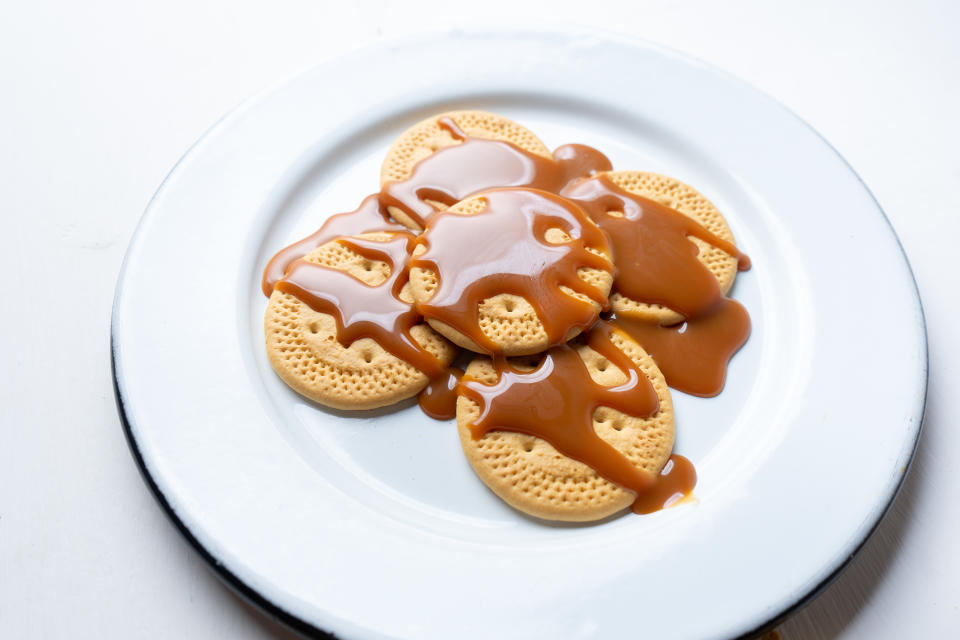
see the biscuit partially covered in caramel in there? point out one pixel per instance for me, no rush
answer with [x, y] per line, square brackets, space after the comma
[532, 476]
[691, 203]
[428, 136]
[303, 348]
[511, 271]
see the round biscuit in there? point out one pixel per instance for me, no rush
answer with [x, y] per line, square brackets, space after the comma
[425, 137]
[510, 321]
[303, 349]
[691, 203]
[531, 476]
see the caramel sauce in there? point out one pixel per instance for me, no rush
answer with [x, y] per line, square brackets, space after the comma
[556, 402]
[369, 216]
[655, 262]
[693, 355]
[439, 398]
[503, 249]
[673, 484]
[475, 164]
[361, 310]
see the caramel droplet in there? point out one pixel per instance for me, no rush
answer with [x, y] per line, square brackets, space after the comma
[439, 398]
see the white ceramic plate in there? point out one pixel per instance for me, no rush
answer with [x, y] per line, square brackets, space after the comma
[375, 526]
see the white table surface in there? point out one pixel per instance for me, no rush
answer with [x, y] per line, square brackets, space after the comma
[99, 99]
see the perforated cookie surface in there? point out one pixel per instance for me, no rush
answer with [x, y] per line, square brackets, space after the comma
[303, 349]
[509, 321]
[531, 476]
[426, 137]
[692, 203]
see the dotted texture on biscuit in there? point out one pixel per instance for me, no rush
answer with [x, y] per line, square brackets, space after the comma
[531, 476]
[427, 136]
[510, 321]
[304, 351]
[690, 202]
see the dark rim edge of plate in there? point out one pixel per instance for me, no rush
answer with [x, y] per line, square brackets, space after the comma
[299, 625]
[226, 576]
[274, 611]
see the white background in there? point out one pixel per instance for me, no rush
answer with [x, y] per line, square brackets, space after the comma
[99, 99]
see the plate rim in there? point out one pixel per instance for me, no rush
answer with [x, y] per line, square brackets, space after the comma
[276, 611]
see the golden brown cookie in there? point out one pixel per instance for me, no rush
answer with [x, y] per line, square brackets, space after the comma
[302, 344]
[530, 475]
[425, 137]
[690, 202]
[509, 321]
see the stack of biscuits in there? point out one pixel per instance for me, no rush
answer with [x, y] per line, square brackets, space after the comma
[525, 471]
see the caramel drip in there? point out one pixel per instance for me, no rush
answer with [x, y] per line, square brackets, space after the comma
[657, 264]
[368, 217]
[674, 483]
[439, 399]
[361, 310]
[512, 256]
[556, 402]
[693, 355]
[453, 173]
